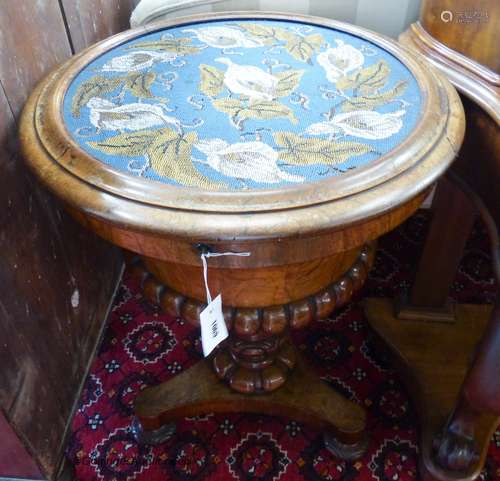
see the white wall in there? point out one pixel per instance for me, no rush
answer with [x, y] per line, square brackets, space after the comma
[389, 17]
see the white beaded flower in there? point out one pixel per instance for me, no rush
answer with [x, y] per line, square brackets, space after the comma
[106, 115]
[224, 37]
[245, 161]
[366, 124]
[249, 80]
[340, 60]
[140, 60]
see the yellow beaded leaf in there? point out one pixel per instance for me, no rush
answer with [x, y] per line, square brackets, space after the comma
[308, 151]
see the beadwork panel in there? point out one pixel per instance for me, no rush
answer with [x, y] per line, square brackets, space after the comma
[242, 104]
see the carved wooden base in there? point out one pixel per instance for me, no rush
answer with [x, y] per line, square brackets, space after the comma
[433, 359]
[304, 397]
[257, 357]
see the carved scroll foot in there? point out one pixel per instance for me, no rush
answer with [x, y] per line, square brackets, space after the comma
[454, 451]
[153, 436]
[434, 373]
[347, 452]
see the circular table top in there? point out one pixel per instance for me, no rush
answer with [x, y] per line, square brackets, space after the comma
[241, 113]
[242, 104]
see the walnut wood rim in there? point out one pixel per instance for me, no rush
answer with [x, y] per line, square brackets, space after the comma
[431, 131]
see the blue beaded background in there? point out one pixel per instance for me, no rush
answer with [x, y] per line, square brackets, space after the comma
[217, 125]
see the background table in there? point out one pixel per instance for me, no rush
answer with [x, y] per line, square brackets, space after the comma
[459, 402]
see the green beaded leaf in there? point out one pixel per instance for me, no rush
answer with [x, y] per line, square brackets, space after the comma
[94, 87]
[168, 152]
[212, 80]
[130, 144]
[367, 81]
[289, 80]
[180, 46]
[266, 34]
[303, 48]
[170, 157]
[240, 110]
[373, 101]
[309, 151]
[299, 47]
[140, 84]
[229, 106]
[267, 109]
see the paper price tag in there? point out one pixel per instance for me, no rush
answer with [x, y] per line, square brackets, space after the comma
[213, 326]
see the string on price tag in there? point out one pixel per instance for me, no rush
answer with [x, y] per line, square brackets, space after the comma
[213, 326]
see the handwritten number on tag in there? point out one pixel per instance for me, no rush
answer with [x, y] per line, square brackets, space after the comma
[213, 326]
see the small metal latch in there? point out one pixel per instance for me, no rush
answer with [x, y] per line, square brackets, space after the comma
[203, 248]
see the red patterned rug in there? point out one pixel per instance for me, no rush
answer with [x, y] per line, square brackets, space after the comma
[143, 347]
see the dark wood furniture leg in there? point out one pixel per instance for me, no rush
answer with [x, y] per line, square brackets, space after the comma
[454, 448]
[304, 397]
[433, 359]
[451, 224]
[458, 402]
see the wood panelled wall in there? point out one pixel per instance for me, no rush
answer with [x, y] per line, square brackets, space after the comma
[56, 279]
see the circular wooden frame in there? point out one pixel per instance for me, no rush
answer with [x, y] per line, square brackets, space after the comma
[112, 196]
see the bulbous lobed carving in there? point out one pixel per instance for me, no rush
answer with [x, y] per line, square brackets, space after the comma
[273, 320]
[255, 367]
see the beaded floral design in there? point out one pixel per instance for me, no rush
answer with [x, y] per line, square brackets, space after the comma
[239, 104]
